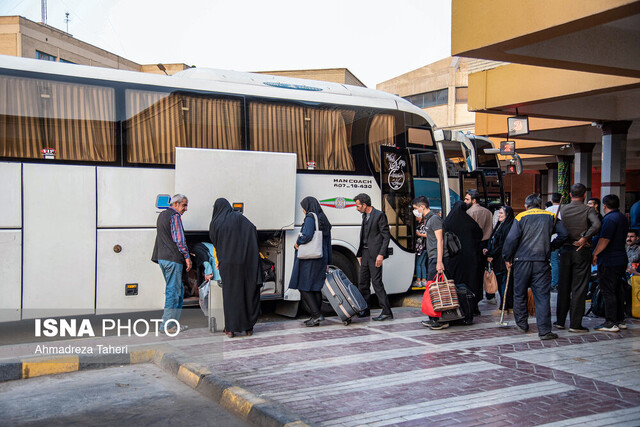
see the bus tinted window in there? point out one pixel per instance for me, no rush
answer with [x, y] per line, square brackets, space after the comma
[158, 122]
[77, 121]
[385, 129]
[484, 160]
[455, 158]
[321, 137]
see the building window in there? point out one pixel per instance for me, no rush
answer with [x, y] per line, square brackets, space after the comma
[429, 99]
[64, 61]
[461, 95]
[44, 56]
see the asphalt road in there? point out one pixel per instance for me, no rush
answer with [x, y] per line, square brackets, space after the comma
[129, 395]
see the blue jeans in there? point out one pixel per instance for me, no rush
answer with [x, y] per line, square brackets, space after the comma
[555, 267]
[421, 266]
[174, 292]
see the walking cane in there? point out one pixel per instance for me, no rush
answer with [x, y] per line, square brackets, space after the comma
[504, 299]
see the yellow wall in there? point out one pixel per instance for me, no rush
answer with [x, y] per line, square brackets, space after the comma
[519, 84]
[511, 19]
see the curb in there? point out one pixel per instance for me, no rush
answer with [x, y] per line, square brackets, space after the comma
[243, 403]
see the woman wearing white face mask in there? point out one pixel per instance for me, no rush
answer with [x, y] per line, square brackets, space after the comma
[421, 249]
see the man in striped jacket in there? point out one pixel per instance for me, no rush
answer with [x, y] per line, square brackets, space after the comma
[171, 253]
[528, 248]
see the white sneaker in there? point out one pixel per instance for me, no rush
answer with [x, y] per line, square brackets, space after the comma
[622, 325]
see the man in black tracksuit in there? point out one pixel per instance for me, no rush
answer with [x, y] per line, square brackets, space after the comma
[528, 247]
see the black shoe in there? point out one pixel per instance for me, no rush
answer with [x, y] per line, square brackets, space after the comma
[383, 317]
[314, 321]
[519, 329]
[437, 325]
[476, 312]
[365, 313]
[548, 336]
[558, 325]
[580, 330]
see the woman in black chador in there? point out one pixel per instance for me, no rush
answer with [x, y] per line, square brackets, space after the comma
[464, 266]
[494, 253]
[308, 275]
[236, 241]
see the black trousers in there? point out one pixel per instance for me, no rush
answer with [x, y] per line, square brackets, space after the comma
[573, 284]
[537, 276]
[370, 274]
[313, 301]
[611, 287]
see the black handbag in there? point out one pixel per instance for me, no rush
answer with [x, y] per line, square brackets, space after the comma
[268, 269]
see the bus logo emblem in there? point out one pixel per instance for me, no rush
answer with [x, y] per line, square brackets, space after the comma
[338, 203]
[396, 171]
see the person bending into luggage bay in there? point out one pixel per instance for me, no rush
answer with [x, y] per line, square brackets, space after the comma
[374, 244]
[308, 275]
[435, 249]
[528, 247]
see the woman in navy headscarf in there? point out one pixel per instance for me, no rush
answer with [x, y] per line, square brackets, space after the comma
[308, 275]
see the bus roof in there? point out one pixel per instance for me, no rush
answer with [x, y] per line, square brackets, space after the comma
[225, 81]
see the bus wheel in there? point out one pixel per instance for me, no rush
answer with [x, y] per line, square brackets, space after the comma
[343, 263]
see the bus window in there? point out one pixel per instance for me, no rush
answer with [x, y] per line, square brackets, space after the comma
[484, 160]
[158, 122]
[321, 137]
[383, 131]
[455, 158]
[74, 121]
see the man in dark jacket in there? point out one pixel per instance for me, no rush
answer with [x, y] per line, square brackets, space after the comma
[582, 223]
[171, 253]
[528, 247]
[374, 244]
[611, 257]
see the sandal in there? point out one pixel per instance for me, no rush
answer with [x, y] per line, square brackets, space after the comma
[229, 334]
[249, 332]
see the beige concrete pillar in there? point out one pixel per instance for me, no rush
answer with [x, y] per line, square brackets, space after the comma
[544, 185]
[614, 159]
[552, 180]
[583, 165]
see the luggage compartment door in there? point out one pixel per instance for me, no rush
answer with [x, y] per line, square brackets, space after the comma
[264, 182]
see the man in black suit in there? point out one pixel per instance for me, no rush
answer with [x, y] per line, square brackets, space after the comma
[374, 243]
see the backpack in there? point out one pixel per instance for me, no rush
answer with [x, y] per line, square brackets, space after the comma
[452, 243]
[597, 303]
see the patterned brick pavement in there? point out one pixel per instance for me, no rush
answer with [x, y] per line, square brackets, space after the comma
[400, 373]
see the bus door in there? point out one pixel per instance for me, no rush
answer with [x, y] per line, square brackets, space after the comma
[396, 181]
[488, 182]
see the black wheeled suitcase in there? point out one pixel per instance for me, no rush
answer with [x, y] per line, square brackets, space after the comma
[344, 297]
[465, 299]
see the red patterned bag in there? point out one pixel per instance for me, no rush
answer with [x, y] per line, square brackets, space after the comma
[443, 293]
[427, 307]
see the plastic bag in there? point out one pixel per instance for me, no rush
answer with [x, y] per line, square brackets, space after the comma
[203, 297]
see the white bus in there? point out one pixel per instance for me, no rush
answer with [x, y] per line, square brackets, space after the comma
[89, 157]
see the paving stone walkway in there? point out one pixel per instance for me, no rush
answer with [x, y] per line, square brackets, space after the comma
[401, 373]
